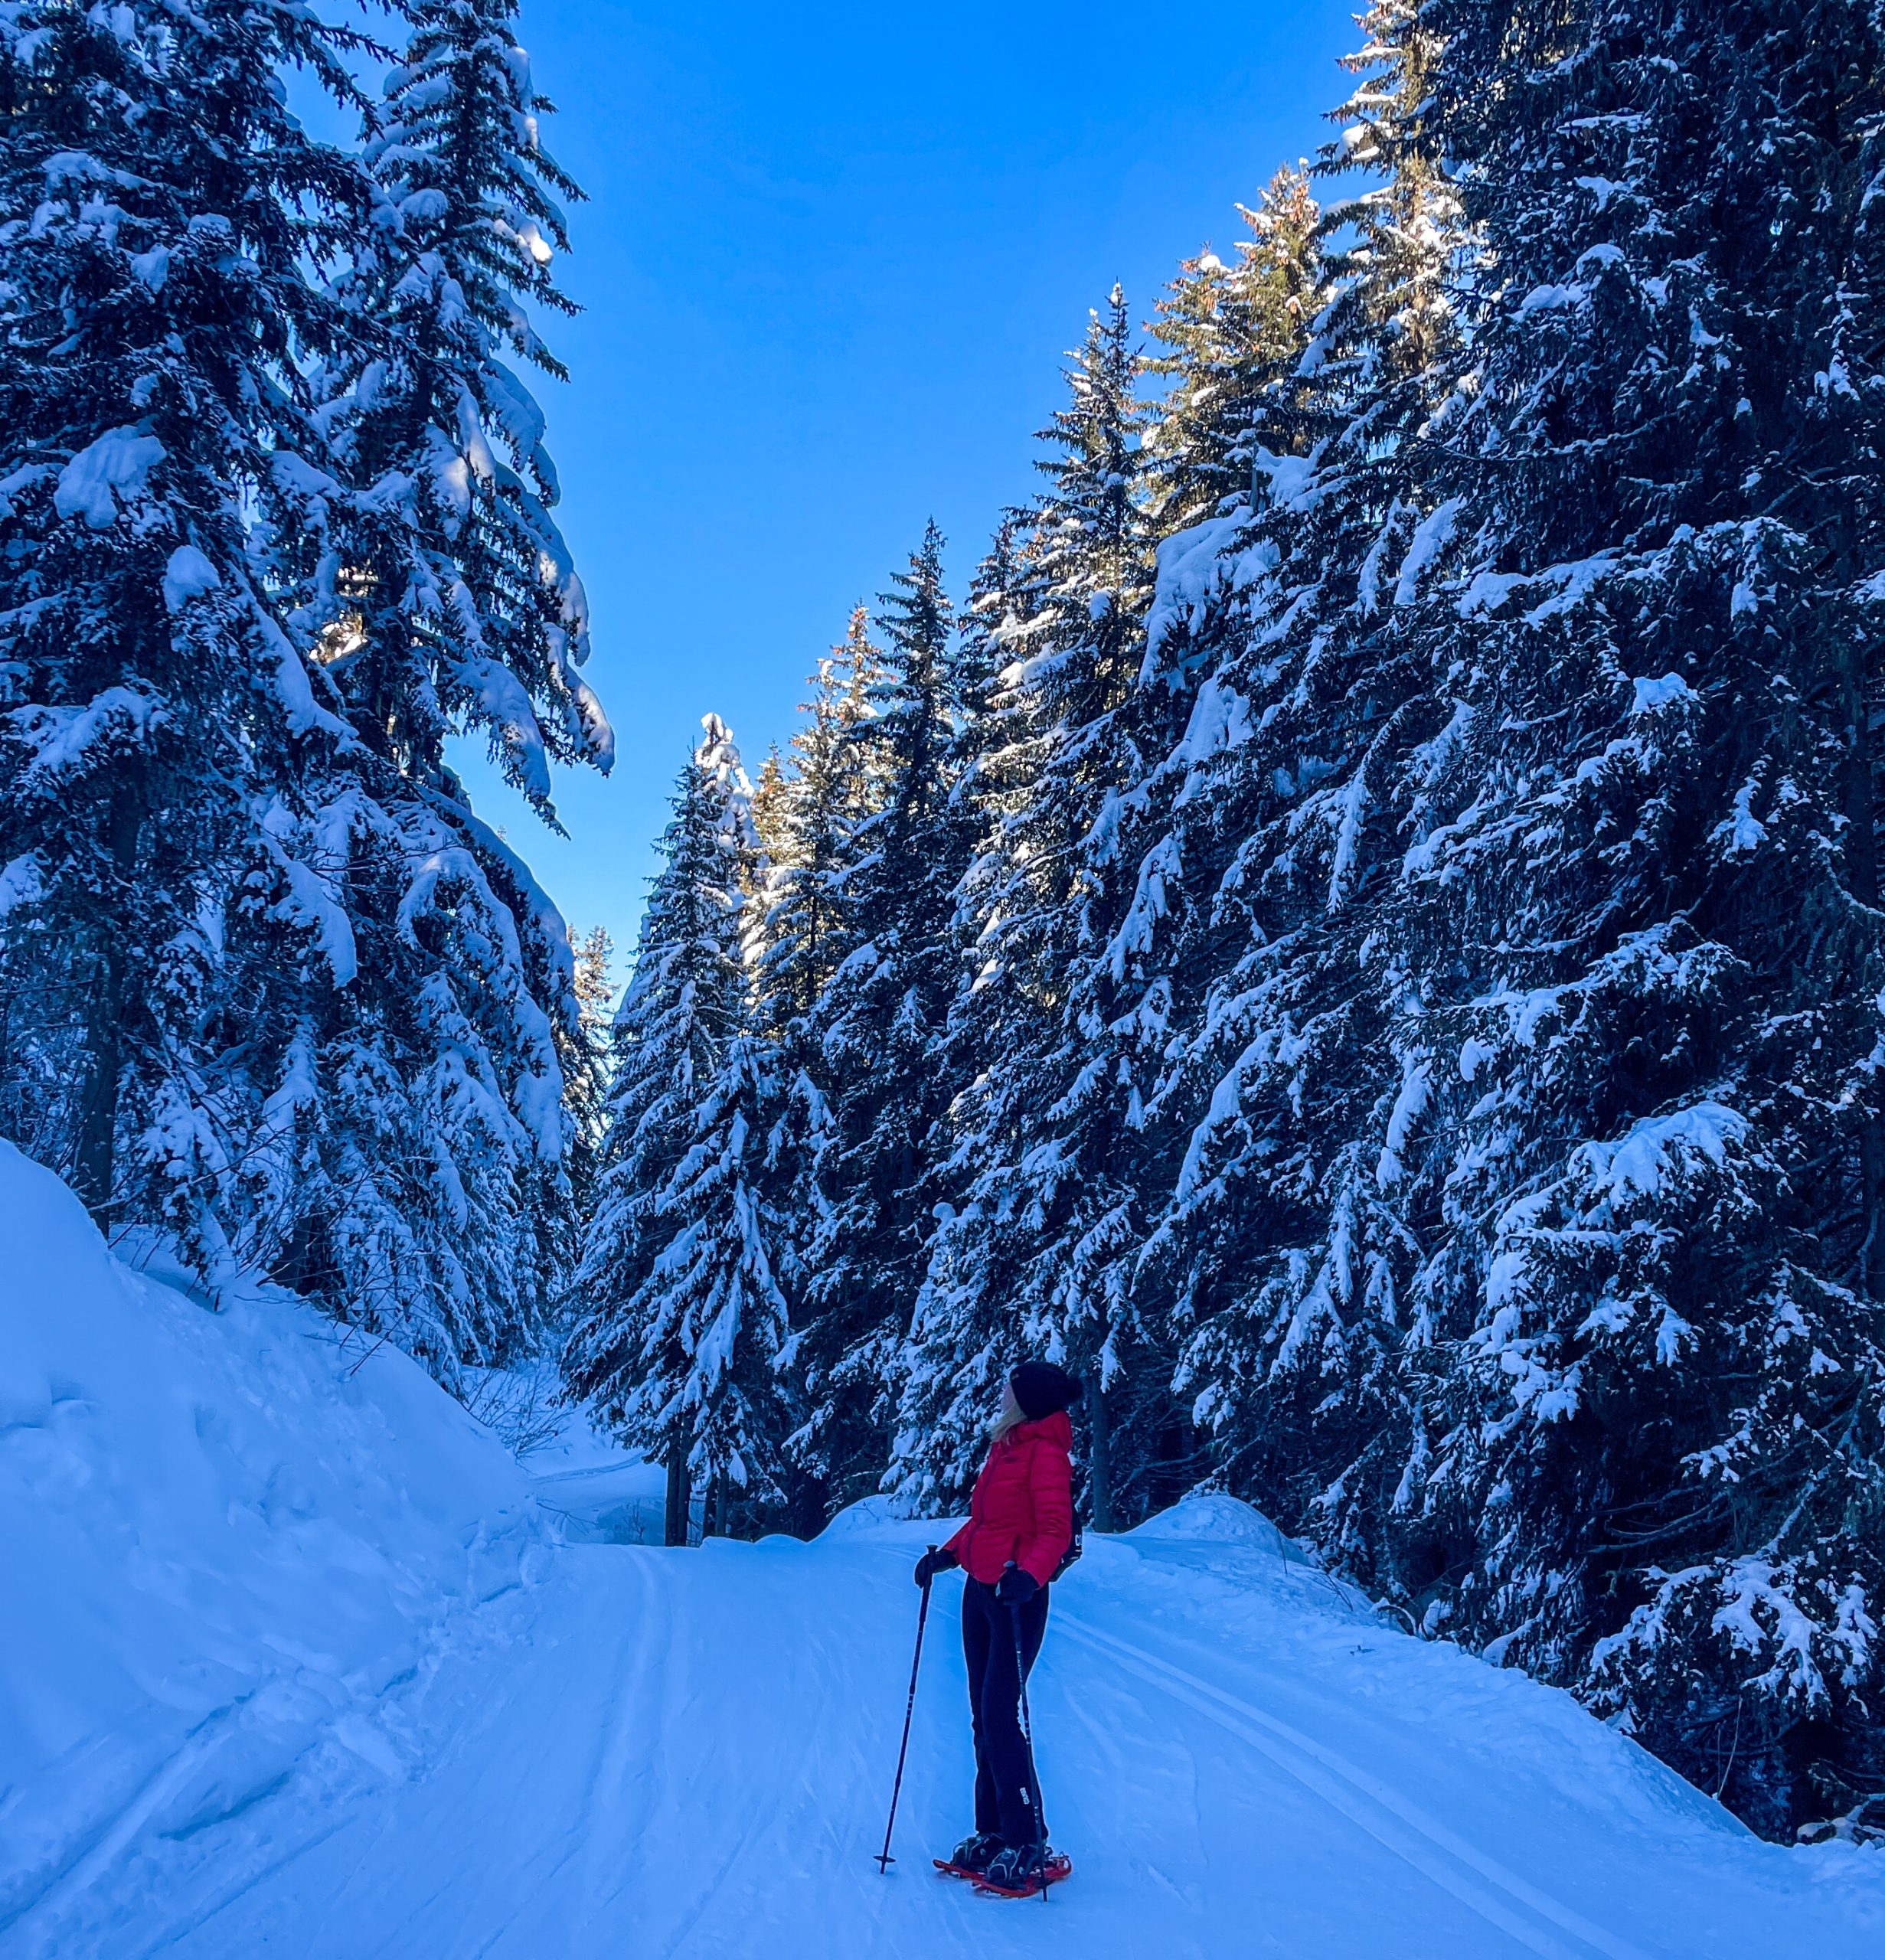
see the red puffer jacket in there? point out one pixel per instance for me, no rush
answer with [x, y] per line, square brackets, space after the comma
[1023, 1508]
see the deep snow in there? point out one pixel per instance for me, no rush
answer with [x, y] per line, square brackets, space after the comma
[230, 1545]
[293, 1661]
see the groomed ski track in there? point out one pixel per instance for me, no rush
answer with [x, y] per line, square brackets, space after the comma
[646, 1753]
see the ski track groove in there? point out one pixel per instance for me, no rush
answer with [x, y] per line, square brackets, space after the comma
[585, 1832]
[627, 1780]
[172, 1938]
[113, 1836]
[759, 1817]
[1320, 1769]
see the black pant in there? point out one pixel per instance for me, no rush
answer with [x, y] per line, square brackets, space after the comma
[1006, 1800]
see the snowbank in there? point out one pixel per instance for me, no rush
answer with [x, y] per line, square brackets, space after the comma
[224, 1536]
[1213, 1516]
[879, 1516]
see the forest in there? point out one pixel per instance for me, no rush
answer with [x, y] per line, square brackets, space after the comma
[1359, 931]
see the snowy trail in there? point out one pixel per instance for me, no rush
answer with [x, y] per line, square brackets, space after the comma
[297, 1660]
[662, 1754]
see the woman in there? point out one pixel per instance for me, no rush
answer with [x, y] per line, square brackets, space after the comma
[1020, 1523]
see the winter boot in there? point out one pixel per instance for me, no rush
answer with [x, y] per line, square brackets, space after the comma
[1018, 1871]
[972, 1857]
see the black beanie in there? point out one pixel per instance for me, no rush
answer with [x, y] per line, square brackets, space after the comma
[1040, 1388]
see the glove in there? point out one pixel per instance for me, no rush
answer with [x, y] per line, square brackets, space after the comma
[937, 1559]
[1015, 1587]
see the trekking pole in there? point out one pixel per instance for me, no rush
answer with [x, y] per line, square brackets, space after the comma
[884, 1859]
[1033, 1775]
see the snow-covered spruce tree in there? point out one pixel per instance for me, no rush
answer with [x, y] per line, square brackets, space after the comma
[160, 212]
[1235, 333]
[677, 1317]
[1638, 1136]
[989, 773]
[994, 1016]
[1034, 1253]
[807, 826]
[405, 1169]
[716, 1287]
[415, 1178]
[877, 1049]
[1282, 1245]
[586, 1083]
[1003, 597]
[806, 928]
[466, 610]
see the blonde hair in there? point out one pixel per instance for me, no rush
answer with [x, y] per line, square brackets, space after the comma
[1011, 1417]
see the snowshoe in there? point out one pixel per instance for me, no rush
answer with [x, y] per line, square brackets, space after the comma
[1021, 1871]
[972, 1857]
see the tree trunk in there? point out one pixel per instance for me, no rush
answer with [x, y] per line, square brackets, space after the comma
[1872, 1180]
[679, 1495]
[1099, 1454]
[92, 1164]
[1861, 851]
[94, 1154]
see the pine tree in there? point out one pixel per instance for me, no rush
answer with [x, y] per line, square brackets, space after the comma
[1640, 924]
[463, 610]
[161, 213]
[1034, 1253]
[714, 1296]
[808, 825]
[804, 931]
[672, 1164]
[1523, 1226]
[1283, 1245]
[876, 1030]
[1236, 334]
[586, 1087]
[416, 1175]
[990, 771]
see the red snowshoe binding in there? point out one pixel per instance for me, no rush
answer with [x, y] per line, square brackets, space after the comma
[1021, 1871]
[972, 1857]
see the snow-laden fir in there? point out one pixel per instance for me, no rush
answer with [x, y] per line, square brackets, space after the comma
[277, 522]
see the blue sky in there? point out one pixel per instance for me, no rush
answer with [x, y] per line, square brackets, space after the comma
[830, 263]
